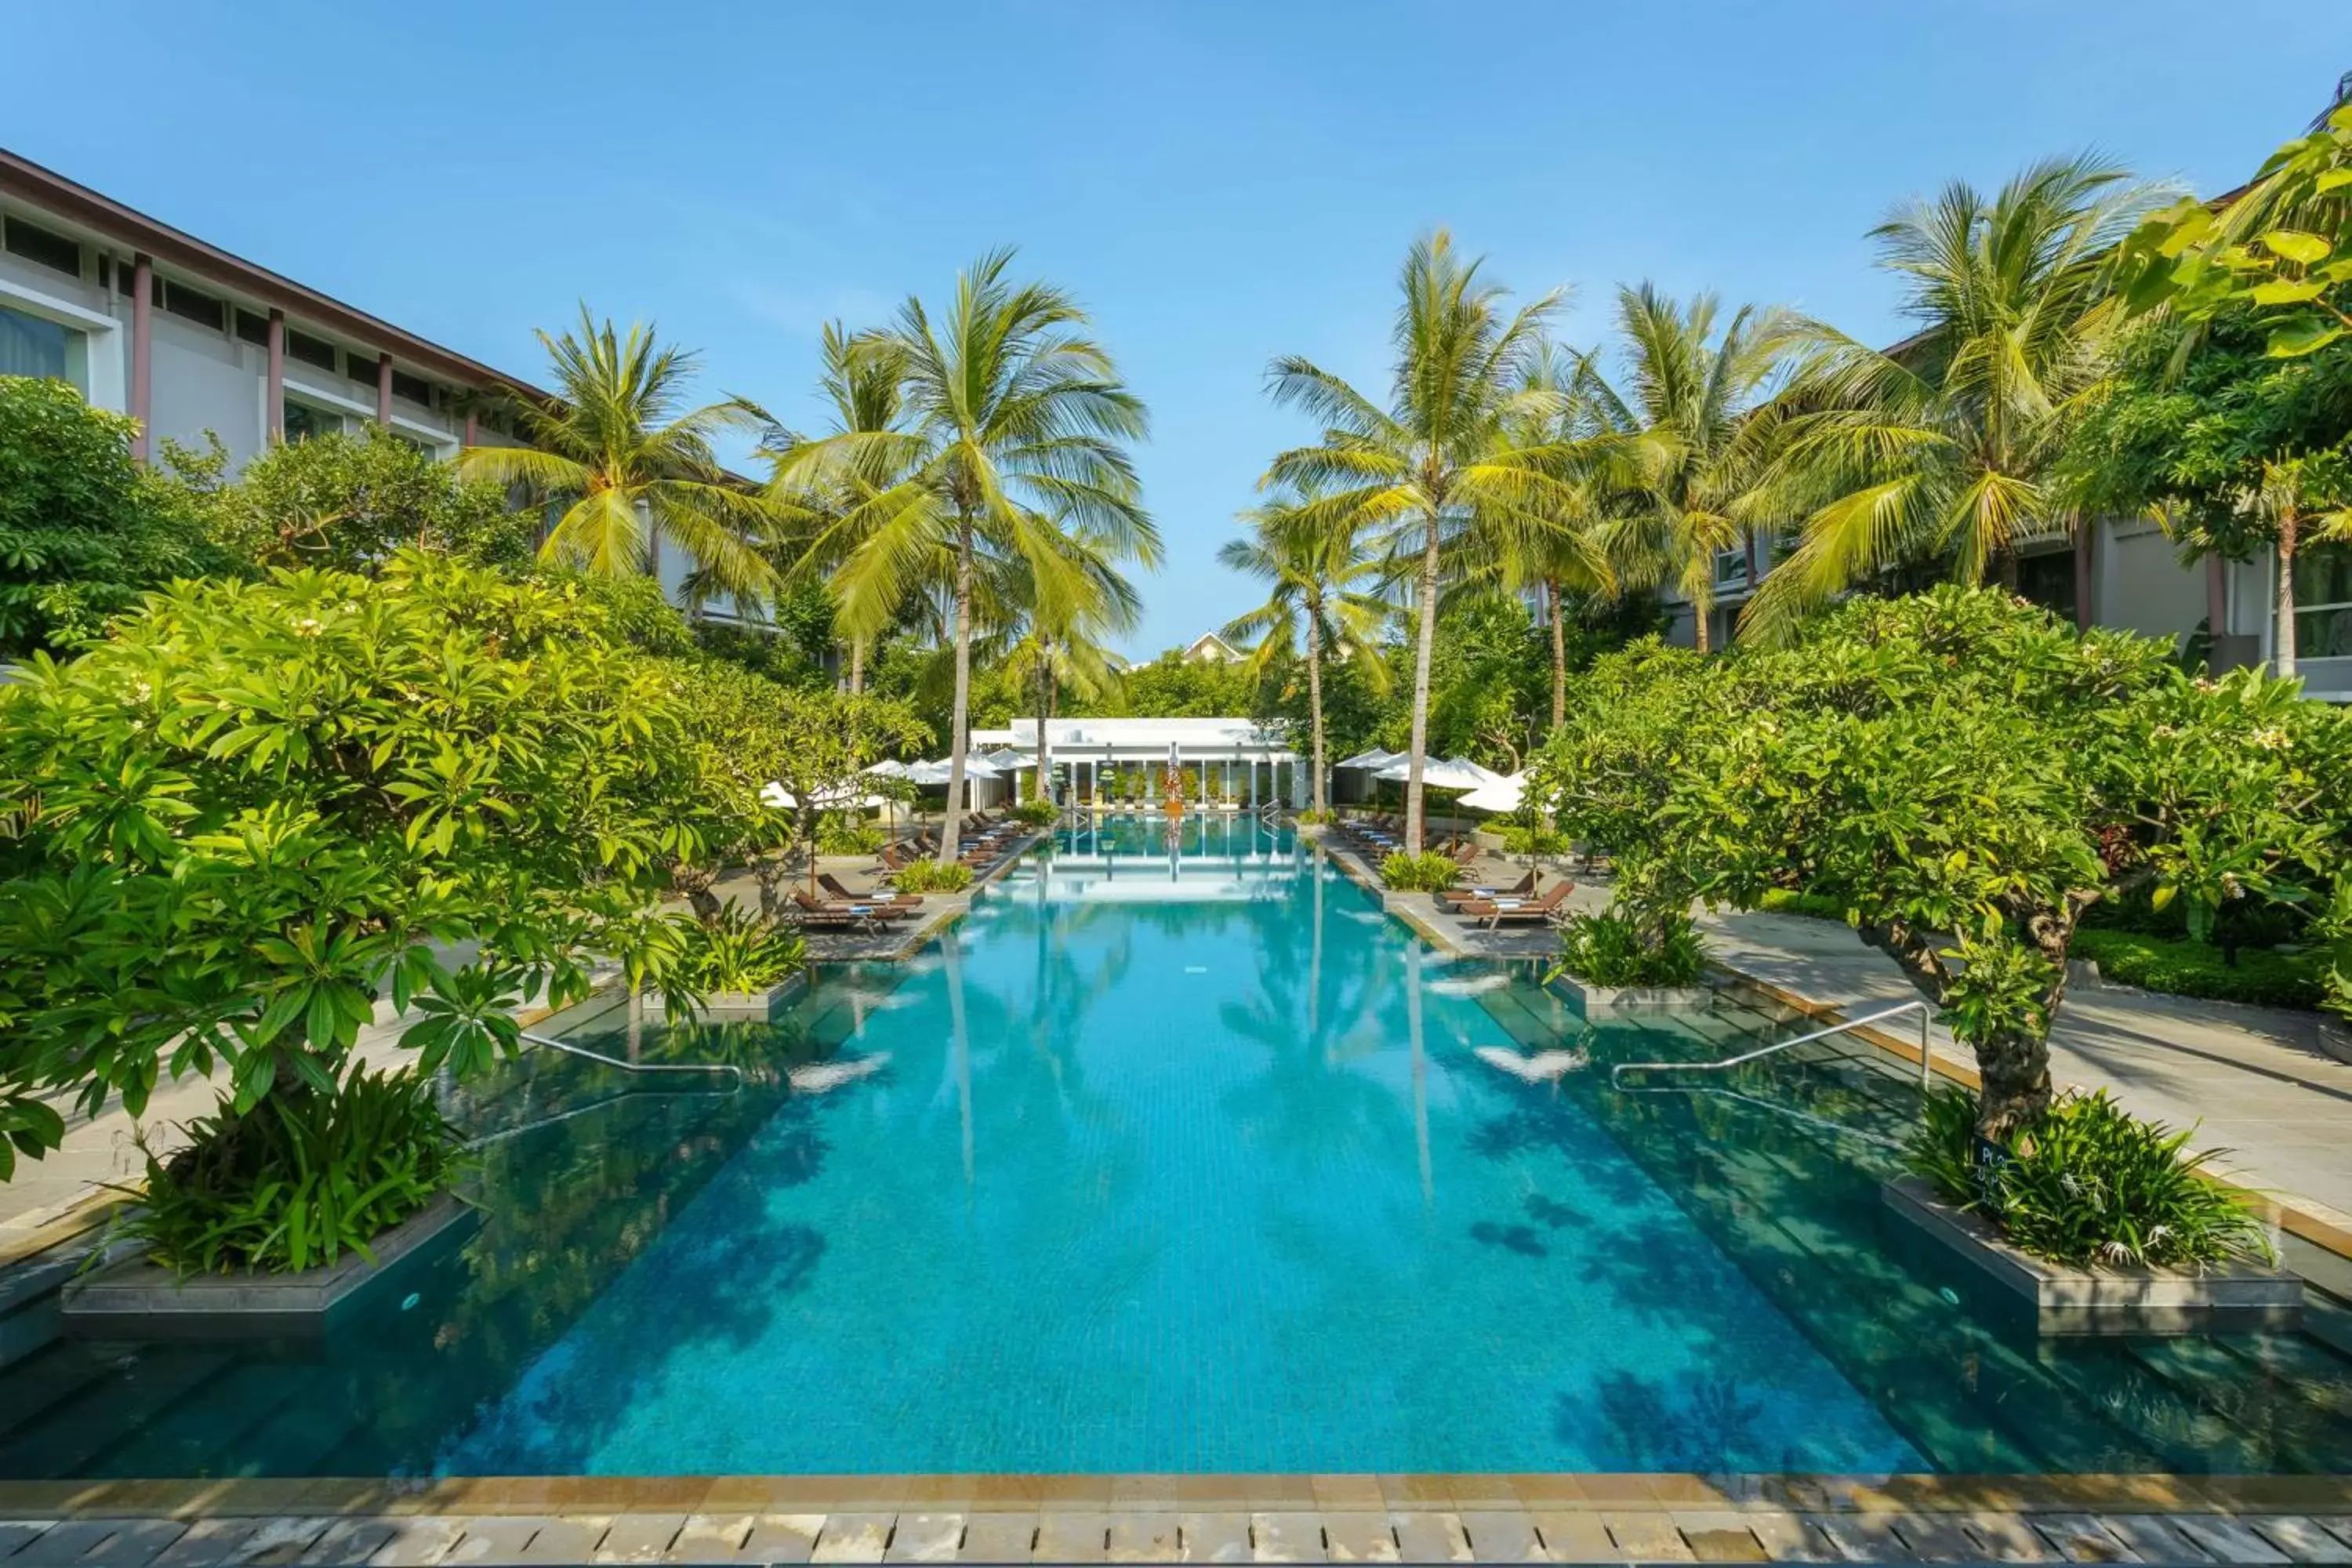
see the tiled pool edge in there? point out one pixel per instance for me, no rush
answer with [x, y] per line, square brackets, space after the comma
[1099, 1518]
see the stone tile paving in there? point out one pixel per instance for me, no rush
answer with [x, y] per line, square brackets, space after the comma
[1593, 1533]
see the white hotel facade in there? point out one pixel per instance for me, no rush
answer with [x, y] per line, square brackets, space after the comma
[186, 337]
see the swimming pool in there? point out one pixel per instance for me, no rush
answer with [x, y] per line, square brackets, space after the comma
[1179, 1155]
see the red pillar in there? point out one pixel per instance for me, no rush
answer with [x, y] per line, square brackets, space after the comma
[142, 370]
[473, 429]
[273, 416]
[384, 390]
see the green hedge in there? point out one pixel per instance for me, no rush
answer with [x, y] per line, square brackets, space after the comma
[1792, 901]
[2184, 968]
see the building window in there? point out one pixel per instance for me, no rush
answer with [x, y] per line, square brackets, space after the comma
[35, 243]
[194, 305]
[2048, 580]
[1731, 568]
[360, 367]
[36, 346]
[415, 388]
[253, 329]
[310, 350]
[304, 420]
[2323, 602]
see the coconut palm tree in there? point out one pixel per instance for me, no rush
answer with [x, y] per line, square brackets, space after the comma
[860, 387]
[1940, 448]
[1015, 431]
[1325, 590]
[1689, 442]
[1437, 465]
[629, 465]
[1065, 624]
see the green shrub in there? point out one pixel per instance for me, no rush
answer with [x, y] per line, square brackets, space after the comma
[840, 834]
[931, 877]
[2087, 1183]
[1518, 839]
[299, 1180]
[1036, 813]
[2185, 968]
[738, 952]
[1796, 902]
[1607, 949]
[1310, 817]
[1423, 873]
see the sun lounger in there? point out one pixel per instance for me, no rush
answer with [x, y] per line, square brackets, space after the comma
[1525, 888]
[872, 911]
[841, 895]
[1493, 913]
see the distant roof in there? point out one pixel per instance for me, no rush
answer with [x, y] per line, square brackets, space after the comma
[1185, 734]
[1210, 645]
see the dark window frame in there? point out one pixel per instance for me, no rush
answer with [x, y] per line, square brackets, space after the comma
[191, 303]
[315, 352]
[43, 247]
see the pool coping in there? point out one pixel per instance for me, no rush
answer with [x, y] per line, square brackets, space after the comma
[1150, 1493]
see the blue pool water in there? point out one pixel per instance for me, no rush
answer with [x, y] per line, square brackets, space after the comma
[1179, 1155]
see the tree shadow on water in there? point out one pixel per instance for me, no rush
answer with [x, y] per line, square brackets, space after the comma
[1519, 1238]
[1704, 1424]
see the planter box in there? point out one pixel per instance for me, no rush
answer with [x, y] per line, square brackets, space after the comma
[2131, 1300]
[1638, 998]
[136, 1299]
[732, 1006]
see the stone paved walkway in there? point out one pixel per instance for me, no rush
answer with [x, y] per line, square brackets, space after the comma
[1357, 1525]
[2250, 1079]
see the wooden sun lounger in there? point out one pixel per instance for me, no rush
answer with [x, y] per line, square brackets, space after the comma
[842, 895]
[868, 911]
[1493, 913]
[1525, 888]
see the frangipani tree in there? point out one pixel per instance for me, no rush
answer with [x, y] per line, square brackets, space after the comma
[625, 464]
[1326, 593]
[1016, 429]
[257, 809]
[1440, 463]
[1965, 776]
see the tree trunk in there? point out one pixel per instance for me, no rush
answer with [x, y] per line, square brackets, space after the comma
[2282, 636]
[808, 837]
[857, 665]
[1755, 567]
[2083, 574]
[2014, 1069]
[1559, 656]
[2005, 562]
[1414, 796]
[950, 837]
[1702, 624]
[1043, 707]
[1322, 797]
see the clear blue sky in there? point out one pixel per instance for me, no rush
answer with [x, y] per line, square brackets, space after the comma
[1219, 182]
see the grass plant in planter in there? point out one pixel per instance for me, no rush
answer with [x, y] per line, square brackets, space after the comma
[1426, 872]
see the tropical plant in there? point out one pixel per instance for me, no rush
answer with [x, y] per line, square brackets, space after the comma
[1940, 451]
[1611, 949]
[1965, 777]
[1015, 426]
[298, 1183]
[933, 876]
[1065, 620]
[257, 809]
[1690, 440]
[1439, 463]
[1326, 593]
[1036, 813]
[2085, 1183]
[622, 465]
[2232, 449]
[738, 951]
[348, 501]
[83, 532]
[1418, 872]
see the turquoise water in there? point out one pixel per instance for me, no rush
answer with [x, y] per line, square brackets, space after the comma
[1178, 1155]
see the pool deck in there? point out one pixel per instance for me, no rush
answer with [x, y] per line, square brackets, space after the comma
[1664, 1518]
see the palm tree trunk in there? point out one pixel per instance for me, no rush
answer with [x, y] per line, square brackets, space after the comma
[1414, 797]
[950, 839]
[857, 665]
[1322, 796]
[1559, 655]
[2283, 636]
[1044, 713]
[1702, 618]
[1748, 542]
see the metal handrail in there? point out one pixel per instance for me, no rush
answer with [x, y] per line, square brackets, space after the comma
[626, 1065]
[1927, 1015]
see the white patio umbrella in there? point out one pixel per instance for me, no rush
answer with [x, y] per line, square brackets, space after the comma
[1502, 795]
[845, 798]
[889, 768]
[1375, 759]
[1442, 773]
[937, 772]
